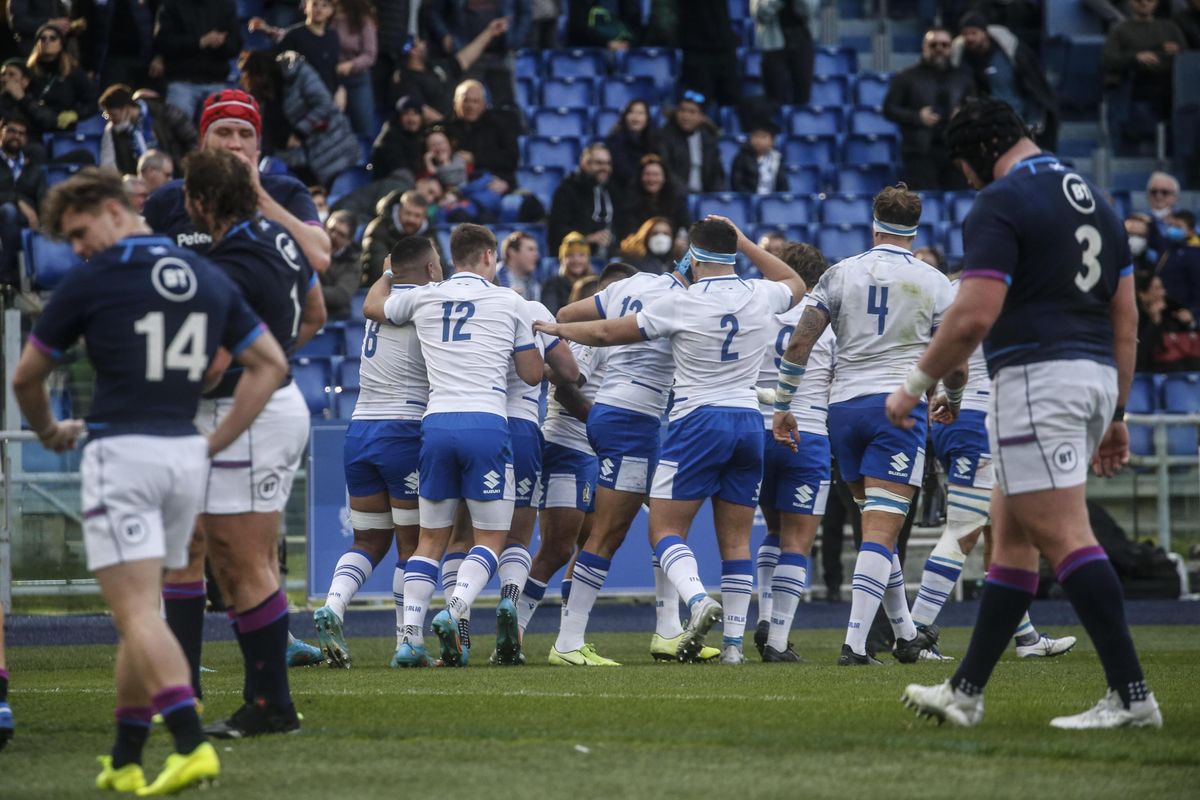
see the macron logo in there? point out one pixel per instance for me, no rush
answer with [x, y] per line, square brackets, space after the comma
[899, 463]
[804, 496]
[491, 480]
[412, 481]
[606, 468]
[962, 465]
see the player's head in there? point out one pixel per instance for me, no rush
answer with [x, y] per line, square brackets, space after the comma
[616, 271]
[473, 249]
[231, 121]
[415, 260]
[980, 134]
[584, 288]
[91, 211]
[712, 249]
[897, 212]
[217, 190]
[805, 260]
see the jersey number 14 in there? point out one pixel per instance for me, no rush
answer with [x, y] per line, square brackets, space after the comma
[185, 352]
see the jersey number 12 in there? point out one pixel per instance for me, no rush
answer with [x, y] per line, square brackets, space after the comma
[185, 352]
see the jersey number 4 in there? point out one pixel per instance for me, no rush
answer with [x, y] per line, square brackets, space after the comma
[465, 310]
[185, 352]
[880, 309]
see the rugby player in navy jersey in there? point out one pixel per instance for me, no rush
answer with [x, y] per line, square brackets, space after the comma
[247, 489]
[153, 317]
[1047, 279]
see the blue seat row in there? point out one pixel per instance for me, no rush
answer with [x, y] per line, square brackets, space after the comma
[1177, 393]
[330, 384]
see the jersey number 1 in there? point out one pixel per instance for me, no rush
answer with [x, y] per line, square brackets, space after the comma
[186, 351]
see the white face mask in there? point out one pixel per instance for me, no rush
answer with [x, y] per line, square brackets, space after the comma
[659, 244]
[1137, 245]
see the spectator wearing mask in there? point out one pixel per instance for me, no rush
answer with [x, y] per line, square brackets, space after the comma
[22, 187]
[455, 23]
[1188, 20]
[433, 80]
[354, 24]
[612, 24]
[710, 63]
[400, 214]
[1138, 228]
[1007, 69]
[921, 100]
[17, 100]
[155, 168]
[194, 41]
[583, 204]
[574, 262]
[1137, 59]
[758, 167]
[487, 135]
[653, 194]
[344, 276]
[1180, 270]
[131, 131]
[782, 33]
[688, 145]
[1167, 338]
[320, 198]
[314, 38]
[651, 247]
[520, 262]
[400, 144]
[135, 188]
[631, 139]
[62, 86]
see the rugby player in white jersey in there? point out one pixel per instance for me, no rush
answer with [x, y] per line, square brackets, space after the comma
[470, 331]
[883, 306]
[383, 443]
[719, 331]
[795, 484]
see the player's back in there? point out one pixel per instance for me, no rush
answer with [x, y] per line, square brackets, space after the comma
[884, 306]
[1052, 237]
[810, 405]
[525, 401]
[392, 379]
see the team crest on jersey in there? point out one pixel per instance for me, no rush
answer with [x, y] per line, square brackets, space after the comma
[173, 279]
[133, 530]
[1064, 457]
[587, 493]
[1078, 193]
[287, 248]
[268, 487]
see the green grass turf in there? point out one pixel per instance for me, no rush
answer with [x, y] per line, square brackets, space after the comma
[644, 730]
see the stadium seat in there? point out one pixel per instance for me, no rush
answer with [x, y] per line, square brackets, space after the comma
[1142, 395]
[46, 260]
[785, 208]
[529, 64]
[960, 205]
[871, 88]
[727, 204]
[819, 150]
[57, 173]
[568, 93]
[561, 122]
[738, 10]
[604, 120]
[343, 403]
[842, 241]
[830, 90]
[352, 338]
[542, 181]
[1070, 18]
[356, 312]
[815, 121]
[577, 63]
[658, 64]
[870, 121]
[846, 210]
[953, 246]
[932, 208]
[868, 178]
[347, 374]
[927, 236]
[618, 91]
[312, 377]
[830, 61]
[526, 93]
[751, 62]
[63, 143]
[803, 178]
[729, 121]
[327, 342]
[91, 126]
[729, 146]
[347, 182]
[552, 151]
[547, 266]
[1181, 395]
[869, 149]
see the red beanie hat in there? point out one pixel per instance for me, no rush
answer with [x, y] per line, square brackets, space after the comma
[230, 105]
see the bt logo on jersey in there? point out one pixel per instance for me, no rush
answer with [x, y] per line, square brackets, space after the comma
[173, 279]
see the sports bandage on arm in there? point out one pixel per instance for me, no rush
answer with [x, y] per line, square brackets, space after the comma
[955, 396]
[918, 383]
[789, 381]
[765, 396]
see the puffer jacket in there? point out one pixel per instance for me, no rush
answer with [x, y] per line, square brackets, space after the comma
[328, 143]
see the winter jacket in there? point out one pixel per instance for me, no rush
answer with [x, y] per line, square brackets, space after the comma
[72, 93]
[921, 85]
[396, 148]
[382, 234]
[580, 204]
[26, 16]
[1131, 37]
[328, 145]
[106, 21]
[177, 32]
[342, 280]
[170, 129]
[627, 149]
[639, 207]
[41, 118]
[1027, 71]
[673, 147]
[492, 139]
[30, 186]
[743, 173]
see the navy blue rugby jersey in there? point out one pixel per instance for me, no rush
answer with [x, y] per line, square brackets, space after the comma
[165, 211]
[152, 316]
[1053, 238]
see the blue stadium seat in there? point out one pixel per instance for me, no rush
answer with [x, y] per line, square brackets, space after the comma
[526, 93]
[313, 377]
[846, 209]
[729, 146]
[352, 338]
[327, 342]
[347, 182]
[1143, 395]
[356, 312]
[831, 90]
[727, 204]
[343, 403]
[870, 149]
[803, 178]
[871, 88]
[547, 266]
[577, 63]
[542, 181]
[835, 61]
[568, 93]
[837, 242]
[659, 64]
[927, 236]
[91, 126]
[1122, 203]
[553, 151]
[561, 122]
[1181, 395]
[618, 91]
[57, 173]
[868, 178]
[815, 121]
[785, 208]
[953, 246]
[64, 143]
[529, 64]
[932, 207]
[820, 150]
[347, 374]
[1070, 18]
[46, 260]
[729, 121]
[960, 204]
[751, 62]
[604, 120]
[870, 121]
[738, 9]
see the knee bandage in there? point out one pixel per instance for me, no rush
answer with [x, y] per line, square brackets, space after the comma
[370, 520]
[967, 510]
[405, 517]
[884, 501]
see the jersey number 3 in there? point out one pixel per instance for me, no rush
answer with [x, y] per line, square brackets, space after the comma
[1089, 237]
[186, 351]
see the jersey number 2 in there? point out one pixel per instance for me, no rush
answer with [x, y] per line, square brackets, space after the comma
[1089, 237]
[186, 351]
[467, 310]
[729, 321]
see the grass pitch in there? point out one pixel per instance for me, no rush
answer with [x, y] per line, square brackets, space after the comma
[644, 730]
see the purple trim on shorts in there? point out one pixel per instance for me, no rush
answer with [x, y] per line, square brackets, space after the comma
[3, 673]
[232, 464]
[264, 613]
[1079, 558]
[134, 715]
[173, 698]
[44, 348]
[232, 616]
[994, 274]
[98, 511]
[1028, 438]
[1020, 580]
[183, 591]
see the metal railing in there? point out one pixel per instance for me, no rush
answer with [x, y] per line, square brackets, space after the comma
[1161, 461]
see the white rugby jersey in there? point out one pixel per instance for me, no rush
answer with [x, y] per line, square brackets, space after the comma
[810, 405]
[392, 371]
[525, 401]
[719, 331]
[883, 306]
[469, 330]
[563, 429]
[639, 375]
[979, 385]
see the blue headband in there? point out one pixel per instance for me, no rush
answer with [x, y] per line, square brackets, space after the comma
[698, 254]
[894, 230]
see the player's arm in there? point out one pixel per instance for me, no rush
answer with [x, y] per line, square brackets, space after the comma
[812, 324]
[313, 317]
[599, 333]
[374, 306]
[572, 400]
[562, 365]
[771, 267]
[529, 364]
[29, 387]
[1113, 452]
[263, 369]
[584, 310]
[944, 407]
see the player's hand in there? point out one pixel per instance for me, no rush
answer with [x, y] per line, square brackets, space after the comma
[941, 410]
[62, 435]
[1113, 452]
[899, 405]
[785, 429]
[548, 328]
[742, 240]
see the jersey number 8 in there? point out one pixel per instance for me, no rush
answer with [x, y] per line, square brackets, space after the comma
[1089, 237]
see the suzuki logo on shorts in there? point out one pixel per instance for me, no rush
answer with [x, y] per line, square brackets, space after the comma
[962, 465]
[900, 463]
[606, 468]
[412, 481]
[491, 480]
[524, 487]
[804, 496]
